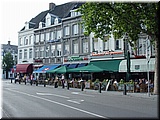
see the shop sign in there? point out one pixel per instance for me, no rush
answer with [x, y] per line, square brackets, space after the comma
[75, 58]
[137, 67]
[106, 53]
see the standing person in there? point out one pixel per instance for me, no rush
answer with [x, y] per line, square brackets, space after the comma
[27, 78]
[115, 84]
[62, 80]
[56, 82]
[31, 76]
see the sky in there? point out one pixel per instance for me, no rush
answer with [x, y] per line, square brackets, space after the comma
[14, 14]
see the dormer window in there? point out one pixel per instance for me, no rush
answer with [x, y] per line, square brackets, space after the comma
[74, 13]
[56, 21]
[40, 25]
[48, 20]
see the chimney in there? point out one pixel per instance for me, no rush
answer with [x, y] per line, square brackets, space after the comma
[52, 6]
[9, 42]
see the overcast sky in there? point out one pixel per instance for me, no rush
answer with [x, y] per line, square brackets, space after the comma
[14, 14]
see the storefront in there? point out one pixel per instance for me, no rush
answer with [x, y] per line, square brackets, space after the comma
[138, 68]
[110, 67]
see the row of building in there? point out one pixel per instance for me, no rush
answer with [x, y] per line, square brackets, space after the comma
[55, 36]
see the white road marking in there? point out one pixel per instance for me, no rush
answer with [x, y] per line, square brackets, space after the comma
[73, 101]
[52, 95]
[77, 101]
[77, 93]
[48, 100]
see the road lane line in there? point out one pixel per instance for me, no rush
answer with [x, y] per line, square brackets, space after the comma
[94, 114]
[53, 95]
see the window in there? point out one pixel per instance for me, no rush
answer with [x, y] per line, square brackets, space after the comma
[30, 53]
[59, 35]
[66, 48]
[25, 53]
[36, 52]
[59, 50]
[75, 29]
[42, 37]
[41, 51]
[85, 46]
[66, 30]
[20, 54]
[47, 51]
[20, 42]
[53, 50]
[48, 20]
[25, 41]
[74, 13]
[56, 21]
[47, 36]
[53, 35]
[40, 25]
[82, 29]
[117, 45]
[75, 46]
[30, 39]
[37, 38]
[95, 44]
[105, 45]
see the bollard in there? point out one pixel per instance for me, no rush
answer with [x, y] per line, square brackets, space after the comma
[55, 84]
[82, 86]
[11, 80]
[124, 91]
[19, 81]
[31, 82]
[44, 83]
[62, 84]
[68, 85]
[36, 82]
[100, 87]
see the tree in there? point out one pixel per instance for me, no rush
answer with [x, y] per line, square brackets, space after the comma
[7, 63]
[122, 19]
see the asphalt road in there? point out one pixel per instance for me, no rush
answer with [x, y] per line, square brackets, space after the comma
[26, 101]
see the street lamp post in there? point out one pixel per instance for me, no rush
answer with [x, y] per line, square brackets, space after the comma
[127, 56]
[148, 55]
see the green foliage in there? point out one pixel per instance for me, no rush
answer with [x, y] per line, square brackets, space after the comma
[7, 61]
[121, 81]
[131, 82]
[103, 18]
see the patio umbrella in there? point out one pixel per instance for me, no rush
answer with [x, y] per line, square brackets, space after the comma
[88, 68]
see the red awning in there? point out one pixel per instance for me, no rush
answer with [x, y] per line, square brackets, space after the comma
[24, 68]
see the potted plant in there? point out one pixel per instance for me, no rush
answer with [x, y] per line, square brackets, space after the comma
[121, 84]
[96, 84]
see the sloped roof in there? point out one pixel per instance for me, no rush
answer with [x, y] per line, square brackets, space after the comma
[62, 11]
[37, 19]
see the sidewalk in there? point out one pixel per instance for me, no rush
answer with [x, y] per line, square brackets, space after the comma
[119, 93]
[131, 94]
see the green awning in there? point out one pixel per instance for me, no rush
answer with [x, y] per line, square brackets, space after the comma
[88, 68]
[62, 69]
[107, 65]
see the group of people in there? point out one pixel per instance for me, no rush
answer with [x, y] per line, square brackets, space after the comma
[26, 77]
